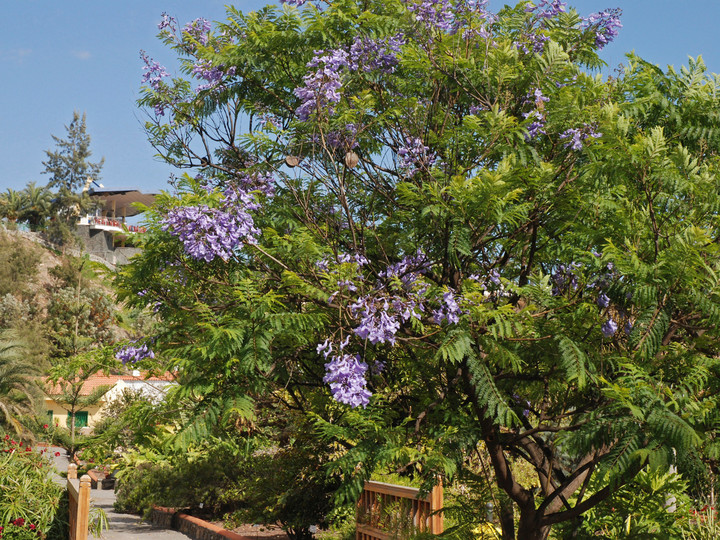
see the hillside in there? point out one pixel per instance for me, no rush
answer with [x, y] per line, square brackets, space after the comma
[57, 302]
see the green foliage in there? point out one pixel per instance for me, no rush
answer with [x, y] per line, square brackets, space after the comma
[653, 505]
[565, 313]
[17, 382]
[29, 493]
[78, 319]
[69, 169]
[19, 264]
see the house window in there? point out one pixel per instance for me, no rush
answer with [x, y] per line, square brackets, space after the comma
[81, 419]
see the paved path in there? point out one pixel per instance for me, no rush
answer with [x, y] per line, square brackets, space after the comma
[122, 526]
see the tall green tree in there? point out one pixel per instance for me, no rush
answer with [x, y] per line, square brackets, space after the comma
[431, 229]
[69, 169]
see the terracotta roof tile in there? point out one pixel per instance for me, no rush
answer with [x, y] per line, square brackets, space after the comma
[96, 381]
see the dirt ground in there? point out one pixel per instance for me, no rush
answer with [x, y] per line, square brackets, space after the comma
[267, 532]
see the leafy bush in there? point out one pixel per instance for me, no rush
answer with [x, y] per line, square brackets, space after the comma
[29, 494]
[197, 477]
[19, 529]
[653, 505]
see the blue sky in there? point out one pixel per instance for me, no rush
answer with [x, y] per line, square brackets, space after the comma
[57, 57]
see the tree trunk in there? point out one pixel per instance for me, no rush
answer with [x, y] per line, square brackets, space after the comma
[507, 518]
[529, 527]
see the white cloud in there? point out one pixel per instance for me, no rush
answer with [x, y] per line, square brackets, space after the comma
[15, 55]
[82, 55]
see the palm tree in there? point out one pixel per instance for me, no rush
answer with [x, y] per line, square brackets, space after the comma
[38, 202]
[17, 376]
[12, 204]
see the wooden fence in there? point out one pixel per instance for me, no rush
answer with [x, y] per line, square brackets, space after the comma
[387, 511]
[79, 498]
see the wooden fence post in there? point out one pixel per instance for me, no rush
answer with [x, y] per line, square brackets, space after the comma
[72, 471]
[83, 509]
[436, 504]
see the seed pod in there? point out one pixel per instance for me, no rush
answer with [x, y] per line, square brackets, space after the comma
[292, 161]
[351, 159]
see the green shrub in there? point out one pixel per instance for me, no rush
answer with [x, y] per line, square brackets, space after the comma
[29, 494]
[653, 506]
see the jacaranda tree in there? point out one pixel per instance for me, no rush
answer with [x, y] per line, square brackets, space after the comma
[437, 232]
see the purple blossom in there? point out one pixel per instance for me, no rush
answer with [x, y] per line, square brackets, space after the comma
[547, 9]
[628, 327]
[344, 139]
[154, 72]
[603, 300]
[133, 354]
[449, 310]
[355, 258]
[213, 75]
[565, 279]
[198, 30]
[345, 373]
[168, 24]
[376, 325]
[408, 270]
[605, 24]
[578, 135]
[536, 126]
[434, 14]
[321, 87]
[413, 154]
[297, 3]
[368, 54]
[609, 328]
[207, 233]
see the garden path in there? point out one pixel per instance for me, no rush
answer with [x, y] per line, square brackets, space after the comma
[122, 526]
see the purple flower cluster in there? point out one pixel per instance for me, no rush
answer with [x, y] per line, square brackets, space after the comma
[133, 354]
[437, 14]
[578, 135]
[414, 154]
[297, 3]
[344, 139]
[408, 270]
[168, 24]
[198, 30]
[213, 75]
[207, 233]
[369, 54]
[536, 126]
[609, 328]
[321, 87]
[605, 25]
[565, 278]
[449, 310]
[345, 373]
[154, 72]
[376, 325]
[547, 9]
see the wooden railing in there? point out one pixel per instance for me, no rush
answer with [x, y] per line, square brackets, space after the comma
[387, 512]
[79, 498]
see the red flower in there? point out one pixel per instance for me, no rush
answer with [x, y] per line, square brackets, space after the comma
[57, 454]
[32, 526]
[27, 448]
[45, 426]
[19, 522]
